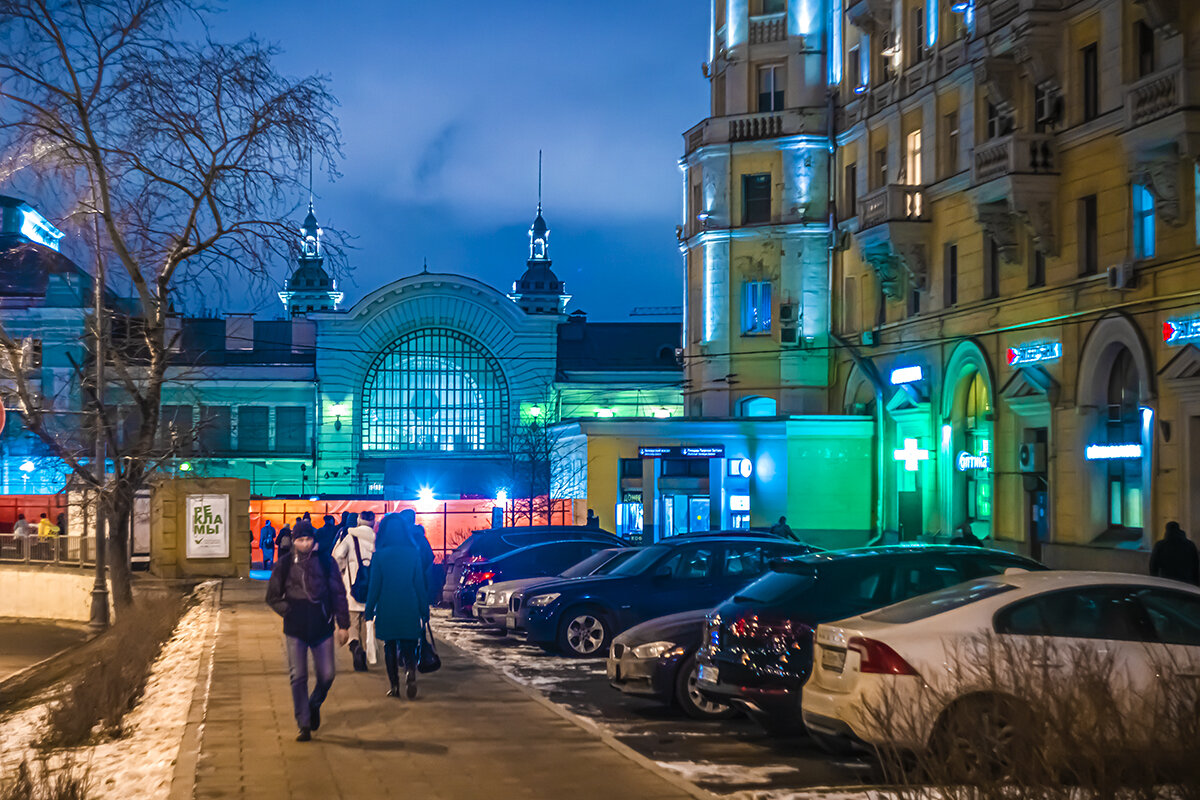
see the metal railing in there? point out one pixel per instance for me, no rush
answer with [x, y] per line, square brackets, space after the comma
[69, 551]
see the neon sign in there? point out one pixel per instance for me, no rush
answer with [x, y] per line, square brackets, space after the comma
[740, 467]
[907, 375]
[739, 502]
[1034, 352]
[911, 455]
[1108, 452]
[38, 229]
[1181, 330]
[968, 461]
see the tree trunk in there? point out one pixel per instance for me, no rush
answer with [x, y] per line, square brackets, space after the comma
[118, 548]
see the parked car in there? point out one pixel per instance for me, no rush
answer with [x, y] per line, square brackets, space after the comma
[658, 659]
[491, 603]
[543, 560]
[497, 541]
[1141, 623]
[757, 645]
[580, 617]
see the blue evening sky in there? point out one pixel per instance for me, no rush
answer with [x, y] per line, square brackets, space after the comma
[445, 105]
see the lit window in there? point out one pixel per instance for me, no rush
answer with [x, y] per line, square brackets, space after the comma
[756, 307]
[1143, 222]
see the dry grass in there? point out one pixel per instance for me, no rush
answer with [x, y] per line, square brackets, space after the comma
[41, 781]
[1037, 720]
[92, 706]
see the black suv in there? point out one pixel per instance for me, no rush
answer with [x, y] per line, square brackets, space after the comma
[756, 650]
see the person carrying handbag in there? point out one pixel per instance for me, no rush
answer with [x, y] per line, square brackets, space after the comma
[353, 555]
[398, 602]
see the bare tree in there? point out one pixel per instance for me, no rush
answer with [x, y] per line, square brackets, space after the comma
[177, 162]
[544, 468]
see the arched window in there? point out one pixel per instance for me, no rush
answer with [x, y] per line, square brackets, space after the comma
[435, 390]
[1124, 427]
[758, 407]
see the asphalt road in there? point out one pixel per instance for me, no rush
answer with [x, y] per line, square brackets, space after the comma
[732, 757]
[23, 644]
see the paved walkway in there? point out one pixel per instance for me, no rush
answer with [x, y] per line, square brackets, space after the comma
[469, 734]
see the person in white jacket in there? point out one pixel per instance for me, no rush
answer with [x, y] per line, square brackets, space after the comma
[353, 553]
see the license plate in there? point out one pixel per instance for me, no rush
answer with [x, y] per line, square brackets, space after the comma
[833, 660]
[708, 674]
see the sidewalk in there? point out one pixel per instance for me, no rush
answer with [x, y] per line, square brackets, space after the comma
[469, 734]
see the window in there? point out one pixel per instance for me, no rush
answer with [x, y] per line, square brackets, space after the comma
[1175, 616]
[756, 307]
[719, 95]
[995, 124]
[756, 198]
[991, 267]
[881, 173]
[215, 429]
[854, 67]
[912, 158]
[253, 431]
[1043, 107]
[630, 467]
[435, 390]
[1089, 236]
[758, 407]
[1143, 222]
[917, 45]
[1091, 82]
[697, 205]
[771, 6]
[851, 194]
[692, 563]
[950, 156]
[746, 561]
[950, 261]
[1037, 266]
[1143, 36]
[850, 321]
[914, 302]
[770, 88]
[1124, 425]
[1084, 613]
[291, 435]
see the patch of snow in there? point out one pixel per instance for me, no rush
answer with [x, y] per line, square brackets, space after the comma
[710, 772]
[142, 763]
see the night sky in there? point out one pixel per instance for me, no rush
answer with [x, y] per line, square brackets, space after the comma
[443, 112]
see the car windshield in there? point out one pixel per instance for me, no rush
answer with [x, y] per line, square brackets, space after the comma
[642, 561]
[775, 587]
[587, 566]
[939, 602]
[617, 560]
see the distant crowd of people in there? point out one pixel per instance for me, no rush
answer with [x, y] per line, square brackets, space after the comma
[43, 529]
[348, 583]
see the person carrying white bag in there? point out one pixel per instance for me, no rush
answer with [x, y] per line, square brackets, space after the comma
[353, 555]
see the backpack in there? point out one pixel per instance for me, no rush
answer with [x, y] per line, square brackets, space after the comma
[362, 578]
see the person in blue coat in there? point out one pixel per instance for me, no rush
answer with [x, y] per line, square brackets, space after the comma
[398, 602]
[266, 542]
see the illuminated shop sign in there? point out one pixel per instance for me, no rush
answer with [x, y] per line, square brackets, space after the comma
[685, 451]
[907, 375]
[739, 502]
[740, 467]
[38, 229]
[1108, 452]
[1034, 352]
[1181, 330]
[911, 455]
[968, 461]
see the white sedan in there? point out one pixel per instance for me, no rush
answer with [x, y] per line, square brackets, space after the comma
[998, 653]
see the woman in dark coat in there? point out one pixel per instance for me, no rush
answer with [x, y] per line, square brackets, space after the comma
[398, 602]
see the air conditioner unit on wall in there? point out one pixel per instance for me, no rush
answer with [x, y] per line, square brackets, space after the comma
[789, 323]
[1122, 276]
[1032, 457]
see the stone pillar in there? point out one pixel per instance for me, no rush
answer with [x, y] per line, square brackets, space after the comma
[224, 520]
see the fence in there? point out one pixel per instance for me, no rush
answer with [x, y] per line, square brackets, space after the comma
[72, 551]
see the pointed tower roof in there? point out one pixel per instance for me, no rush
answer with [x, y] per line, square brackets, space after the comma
[539, 291]
[310, 288]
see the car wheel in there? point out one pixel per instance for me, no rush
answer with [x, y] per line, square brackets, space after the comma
[984, 739]
[584, 633]
[687, 693]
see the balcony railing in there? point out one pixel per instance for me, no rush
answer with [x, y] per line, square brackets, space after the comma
[1155, 96]
[748, 127]
[767, 29]
[893, 203]
[1016, 154]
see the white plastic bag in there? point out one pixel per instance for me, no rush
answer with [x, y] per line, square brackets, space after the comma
[369, 644]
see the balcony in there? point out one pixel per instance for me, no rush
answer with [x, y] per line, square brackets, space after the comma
[1015, 154]
[893, 203]
[751, 127]
[1160, 114]
[768, 28]
[894, 236]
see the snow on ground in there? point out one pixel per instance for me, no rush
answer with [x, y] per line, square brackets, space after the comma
[709, 772]
[141, 764]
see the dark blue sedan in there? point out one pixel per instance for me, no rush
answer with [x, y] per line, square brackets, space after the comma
[580, 617]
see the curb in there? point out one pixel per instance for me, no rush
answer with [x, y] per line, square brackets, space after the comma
[183, 778]
[590, 727]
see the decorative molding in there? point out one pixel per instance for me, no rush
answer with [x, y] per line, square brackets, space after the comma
[1040, 221]
[999, 221]
[998, 76]
[1161, 177]
[874, 17]
[1184, 367]
[1163, 15]
[1030, 390]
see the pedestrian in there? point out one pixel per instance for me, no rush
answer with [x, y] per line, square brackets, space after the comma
[966, 537]
[398, 602]
[21, 528]
[349, 520]
[781, 528]
[593, 521]
[45, 528]
[283, 543]
[327, 534]
[1175, 556]
[61, 522]
[416, 535]
[266, 543]
[306, 590]
[353, 555]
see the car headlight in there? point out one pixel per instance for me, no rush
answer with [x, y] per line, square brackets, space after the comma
[500, 598]
[652, 649]
[543, 600]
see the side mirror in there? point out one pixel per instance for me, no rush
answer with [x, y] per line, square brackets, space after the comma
[662, 573]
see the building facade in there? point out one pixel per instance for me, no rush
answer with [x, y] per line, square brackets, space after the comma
[1018, 284]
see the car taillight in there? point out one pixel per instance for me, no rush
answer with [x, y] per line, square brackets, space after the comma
[762, 629]
[472, 578]
[879, 659]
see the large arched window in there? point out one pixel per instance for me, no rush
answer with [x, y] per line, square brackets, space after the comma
[1123, 425]
[435, 390]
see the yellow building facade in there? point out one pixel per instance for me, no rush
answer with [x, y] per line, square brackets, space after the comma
[1016, 283]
